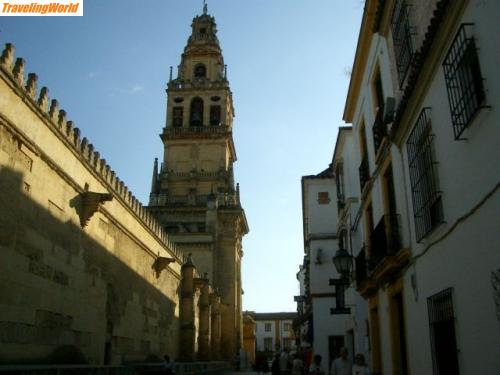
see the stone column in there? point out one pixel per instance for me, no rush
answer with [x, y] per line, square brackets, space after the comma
[187, 313]
[227, 286]
[216, 332]
[204, 322]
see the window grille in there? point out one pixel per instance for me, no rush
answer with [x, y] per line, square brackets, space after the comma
[426, 196]
[402, 36]
[361, 267]
[442, 332]
[464, 81]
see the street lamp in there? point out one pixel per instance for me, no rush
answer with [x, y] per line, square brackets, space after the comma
[343, 264]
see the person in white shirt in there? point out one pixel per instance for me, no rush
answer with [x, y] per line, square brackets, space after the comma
[341, 365]
[360, 367]
[297, 365]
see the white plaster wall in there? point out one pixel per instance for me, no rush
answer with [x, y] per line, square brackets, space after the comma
[351, 161]
[320, 274]
[322, 218]
[464, 258]
[463, 261]
[260, 333]
[325, 325]
[356, 321]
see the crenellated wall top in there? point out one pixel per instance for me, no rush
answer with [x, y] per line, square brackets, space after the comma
[14, 69]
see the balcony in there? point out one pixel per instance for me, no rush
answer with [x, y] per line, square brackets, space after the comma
[386, 255]
[364, 172]
[379, 129]
[364, 284]
[195, 131]
[227, 200]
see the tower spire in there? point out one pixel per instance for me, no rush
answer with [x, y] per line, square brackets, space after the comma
[154, 182]
[205, 7]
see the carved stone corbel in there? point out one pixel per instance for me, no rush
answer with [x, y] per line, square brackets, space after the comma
[160, 264]
[90, 204]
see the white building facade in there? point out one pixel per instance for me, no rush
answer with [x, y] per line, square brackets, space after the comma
[349, 232]
[423, 104]
[326, 330]
[274, 331]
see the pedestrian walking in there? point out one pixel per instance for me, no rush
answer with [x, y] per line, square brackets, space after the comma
[168, 365]
[297, 365]
[341, 365]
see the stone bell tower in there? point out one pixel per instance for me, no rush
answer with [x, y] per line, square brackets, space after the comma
[193, 193]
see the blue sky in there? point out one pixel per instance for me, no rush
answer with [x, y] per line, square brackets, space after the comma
[288, 64]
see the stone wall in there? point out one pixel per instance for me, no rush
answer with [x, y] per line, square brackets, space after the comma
[86, 274]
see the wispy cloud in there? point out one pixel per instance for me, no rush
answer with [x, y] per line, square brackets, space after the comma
[136, 88]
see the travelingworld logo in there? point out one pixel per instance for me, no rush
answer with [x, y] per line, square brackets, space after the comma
[41, 8]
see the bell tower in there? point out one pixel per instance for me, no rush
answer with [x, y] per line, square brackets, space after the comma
[193, 192]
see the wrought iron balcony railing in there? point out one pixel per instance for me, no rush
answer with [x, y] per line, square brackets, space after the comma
[191, 130]
[364, 172]
[385, 239]
[222, 199]
[361, 267]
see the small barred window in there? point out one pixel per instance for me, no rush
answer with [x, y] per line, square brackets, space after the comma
[427, 206]
[323, 197]
[464, 81]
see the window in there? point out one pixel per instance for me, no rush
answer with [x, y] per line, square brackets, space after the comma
[196, 118]
[427, 206]
[286, 327]
[364, 168]
[464, 81]
[379, 92]
[442, 330]
[200, 71]
[323, 197]
[287, 343]
[402, 39]
[267, 327]
[379, 129]
[177, 114]
[339, 179]
[268, 344]
[215, 115]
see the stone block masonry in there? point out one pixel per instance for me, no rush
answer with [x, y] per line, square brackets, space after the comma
[77, 275]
